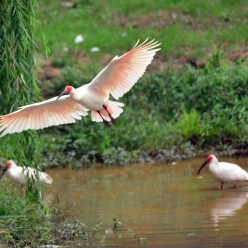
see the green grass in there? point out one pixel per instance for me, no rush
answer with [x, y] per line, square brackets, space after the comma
[167, 112]
[34, 225]
[221, 23]
[22, 224]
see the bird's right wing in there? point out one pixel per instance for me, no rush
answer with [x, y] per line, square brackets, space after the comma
[41, 115]
[123, 72]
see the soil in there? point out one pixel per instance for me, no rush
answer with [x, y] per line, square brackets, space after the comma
[46, 70]
[158, 19]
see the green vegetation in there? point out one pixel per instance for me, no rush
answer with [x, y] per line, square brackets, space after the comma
[193, 99]
[18, 81]
[167, 113]
[21, 224]
[35, 224]
[185, 28]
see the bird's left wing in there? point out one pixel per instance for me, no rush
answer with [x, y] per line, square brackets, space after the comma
[123, 72]
[41, 115]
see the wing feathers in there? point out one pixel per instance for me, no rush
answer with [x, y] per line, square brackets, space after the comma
[42, 115]
[123, 72]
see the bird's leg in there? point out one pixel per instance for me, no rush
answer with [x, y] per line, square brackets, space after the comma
[112, 119]
[104, 121]
[22, 189]
[234, 185]
[221, 185]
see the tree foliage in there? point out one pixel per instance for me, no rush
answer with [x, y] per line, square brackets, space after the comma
[18, 84]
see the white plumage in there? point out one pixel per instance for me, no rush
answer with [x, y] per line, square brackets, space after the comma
[18, 174]
[116, 79]
[225, 172]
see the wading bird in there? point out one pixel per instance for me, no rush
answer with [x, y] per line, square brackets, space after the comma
[225, 172]
[18, 174]
[116, 79]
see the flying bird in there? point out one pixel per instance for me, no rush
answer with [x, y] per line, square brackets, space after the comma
[116, 79]
[225, 172]
[18, 174]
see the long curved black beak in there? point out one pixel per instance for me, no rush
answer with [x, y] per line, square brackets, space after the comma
[3, 171]
[63, 93]
[201, 168]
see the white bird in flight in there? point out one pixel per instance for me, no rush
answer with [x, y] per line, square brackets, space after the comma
[116, 79]
[225, 172]
[18, 174]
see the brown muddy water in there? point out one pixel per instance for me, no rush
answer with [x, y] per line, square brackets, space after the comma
[158, 205]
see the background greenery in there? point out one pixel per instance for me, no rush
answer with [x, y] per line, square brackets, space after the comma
[192, 99]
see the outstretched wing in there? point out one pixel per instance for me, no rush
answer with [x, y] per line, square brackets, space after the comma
[41, 115]
[123, 72]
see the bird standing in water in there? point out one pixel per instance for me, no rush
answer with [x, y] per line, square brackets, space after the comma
[18, 174]
[225, 172]
[116, 79]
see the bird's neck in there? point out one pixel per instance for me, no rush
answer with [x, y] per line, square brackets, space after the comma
[213, 165]
[74, 95]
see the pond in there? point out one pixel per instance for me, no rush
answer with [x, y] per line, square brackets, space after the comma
[157, 205]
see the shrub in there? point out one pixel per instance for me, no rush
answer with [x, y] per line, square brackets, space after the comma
[203, 107]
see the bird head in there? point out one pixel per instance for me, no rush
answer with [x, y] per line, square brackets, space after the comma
[209, 158]
[67, 90]
[8, 165]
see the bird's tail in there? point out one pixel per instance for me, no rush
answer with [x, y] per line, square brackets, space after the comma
[114, 109]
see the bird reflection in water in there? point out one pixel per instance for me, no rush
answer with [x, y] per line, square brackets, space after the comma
[227, 205]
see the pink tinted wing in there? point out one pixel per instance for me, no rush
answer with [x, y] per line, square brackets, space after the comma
[123, 72]
[42, 115]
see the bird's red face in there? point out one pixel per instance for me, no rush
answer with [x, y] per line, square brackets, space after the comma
[209, 158]
[67, 90]
[8, 165]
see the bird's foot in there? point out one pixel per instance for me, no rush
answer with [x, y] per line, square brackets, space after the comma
[107, 123]
[113, 120]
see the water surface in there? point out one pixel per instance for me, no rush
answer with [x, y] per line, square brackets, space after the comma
[158, 205]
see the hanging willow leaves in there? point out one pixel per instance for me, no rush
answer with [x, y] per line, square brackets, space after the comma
[18, 83]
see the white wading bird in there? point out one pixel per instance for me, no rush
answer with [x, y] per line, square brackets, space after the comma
[116, 79]
[18, 174]
[225, 172]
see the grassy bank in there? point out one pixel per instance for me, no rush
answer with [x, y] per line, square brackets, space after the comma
[167, 115]
[40, 224]
[192, 99]
[22, 224]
